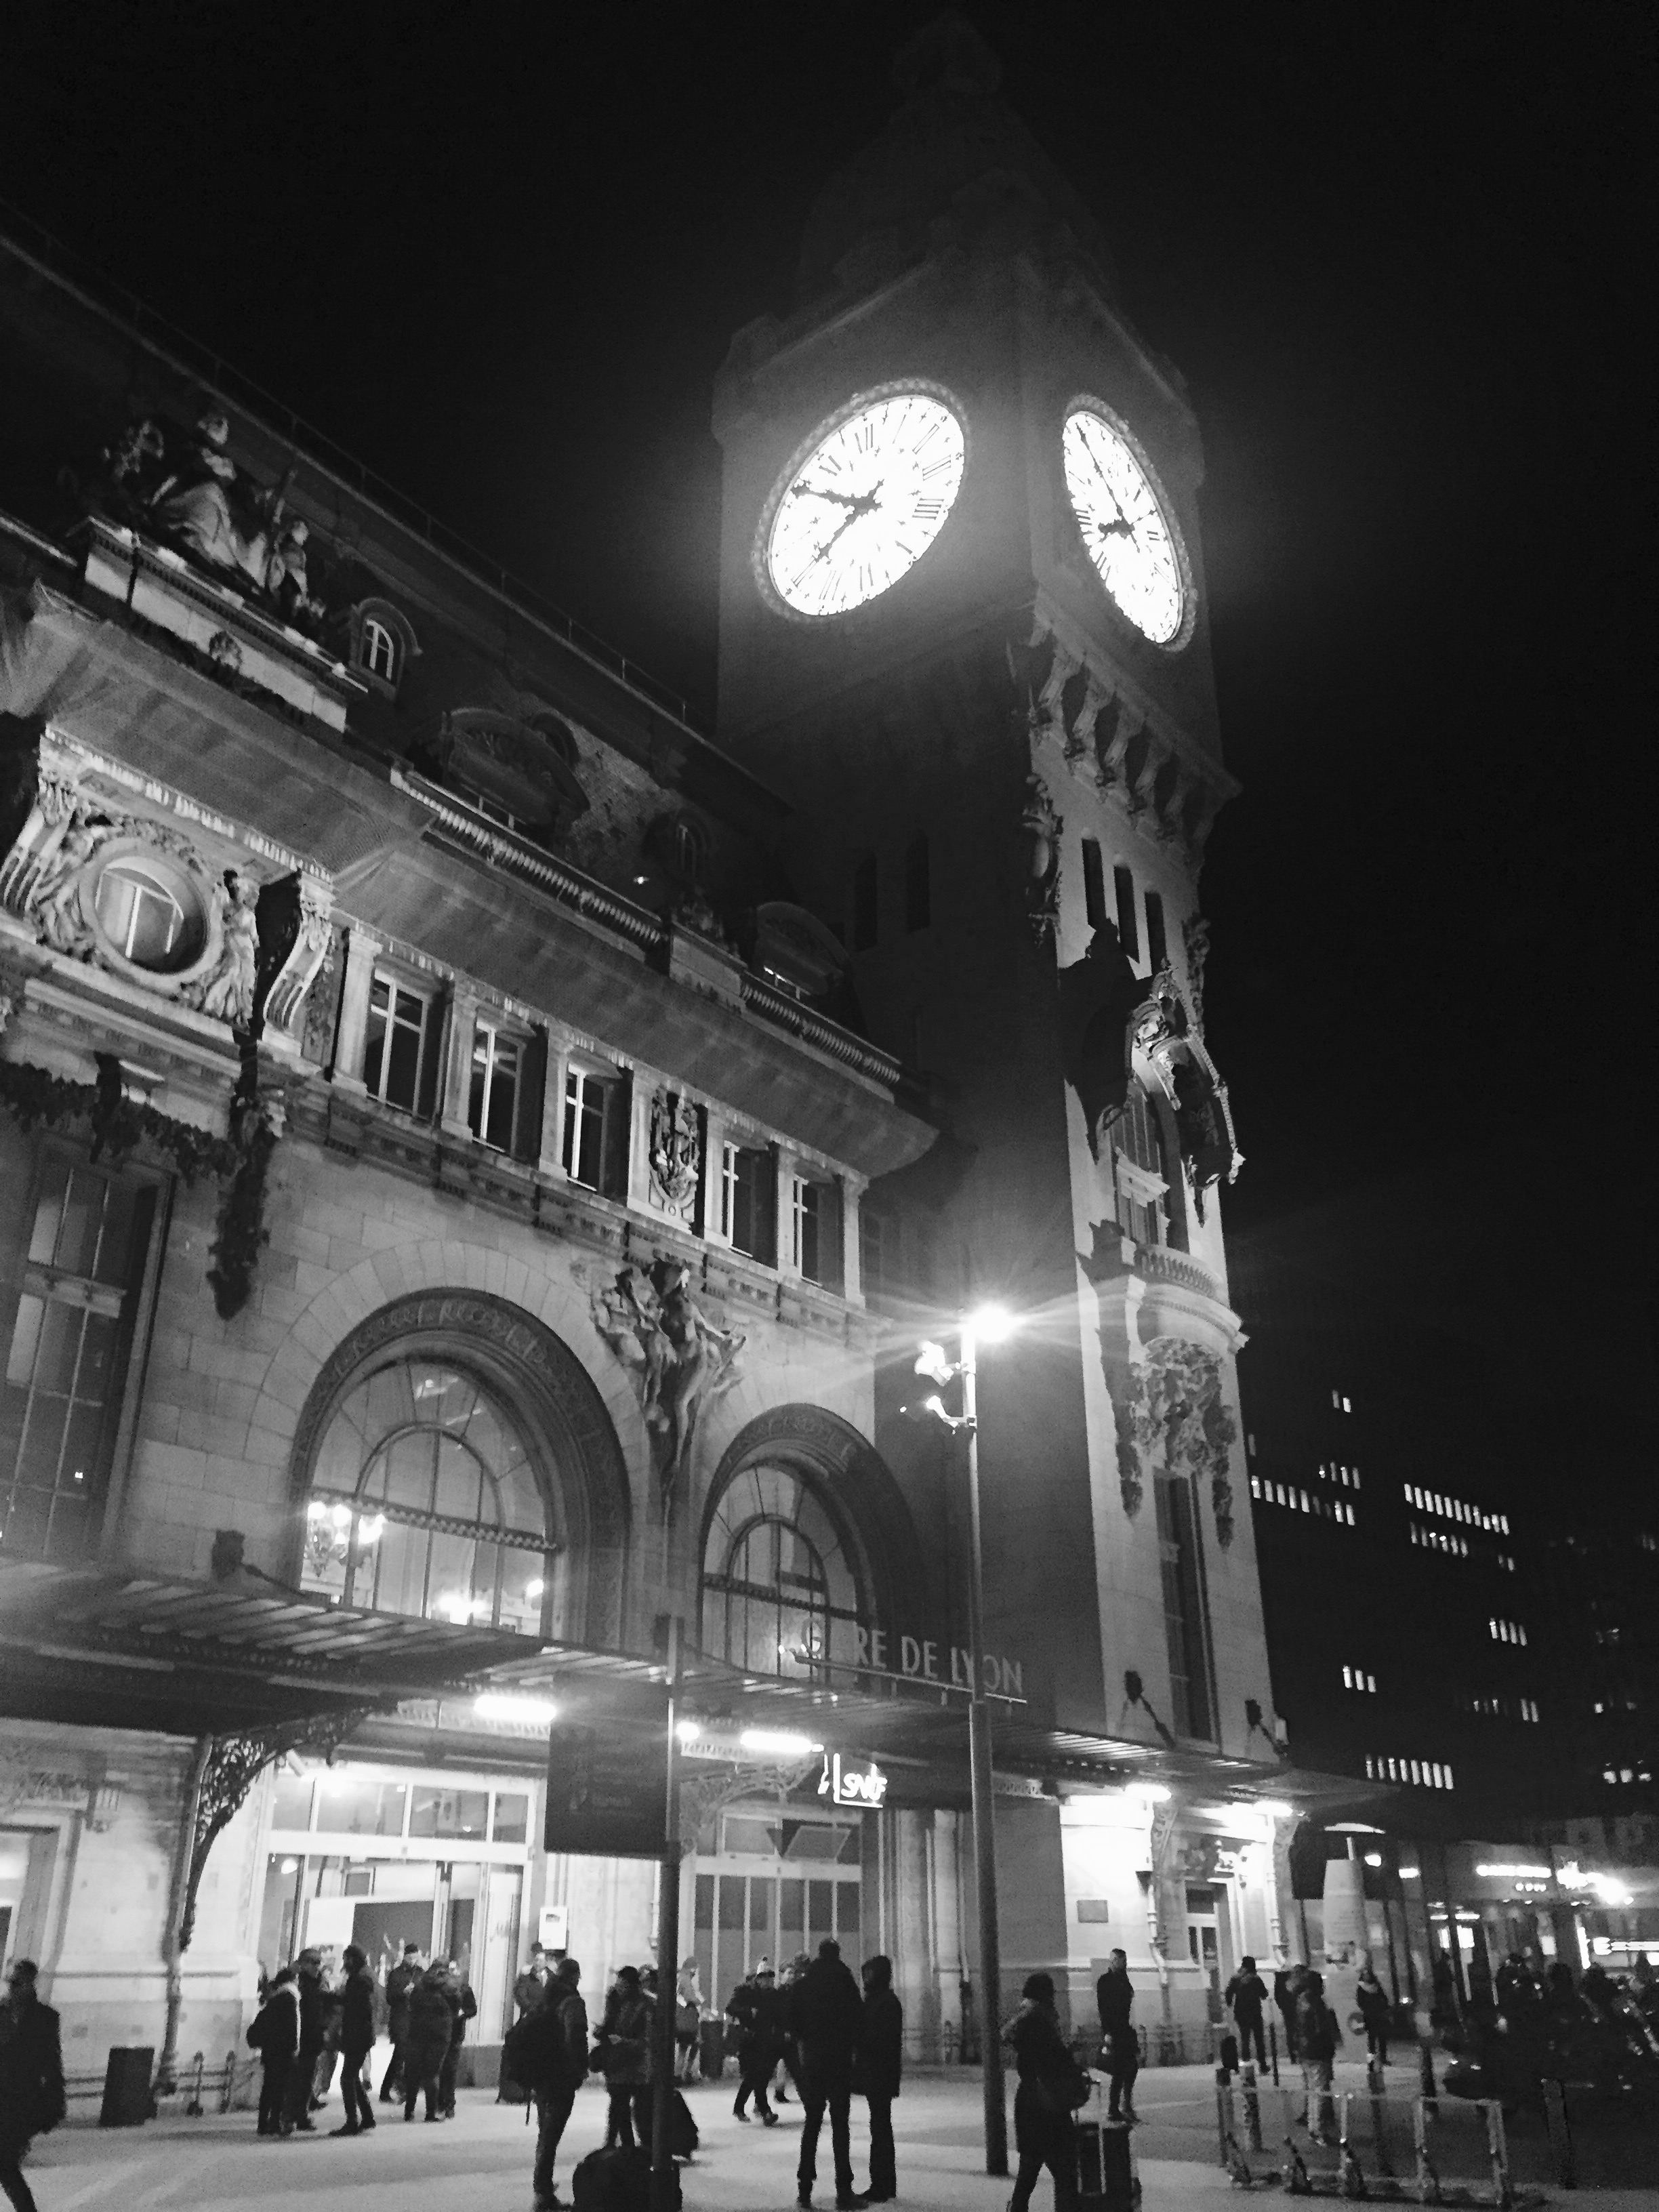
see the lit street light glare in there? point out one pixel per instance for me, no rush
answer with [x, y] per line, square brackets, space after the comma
[990, 1324]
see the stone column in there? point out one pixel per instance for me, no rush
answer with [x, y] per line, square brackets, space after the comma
[362, 952]
[788, 1266]
[914, 1961]
[458, 1064]
[550, 1161]
[852, 1188]
[949, 1959]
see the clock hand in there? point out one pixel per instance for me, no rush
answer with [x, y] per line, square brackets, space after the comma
[816, 491]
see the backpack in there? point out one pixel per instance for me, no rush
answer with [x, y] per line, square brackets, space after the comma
[617, 2181]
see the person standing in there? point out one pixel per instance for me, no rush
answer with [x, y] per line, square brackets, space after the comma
[1317, 2038]
[274, 2035]
[761, 2033]
[556, 2068]
[32, 2099]
[431, 2020]
[878, 2066]
[357, 1994]
[688, 2021]
[464, 2007]
[1115, 1994]
[825, 2014]
[1377, 2013]
[1045, 2134]
[531, 1986]
[400, 1988]
[314, 2034]
[624, 2045]
[1245, 1995]
[1285, 1989]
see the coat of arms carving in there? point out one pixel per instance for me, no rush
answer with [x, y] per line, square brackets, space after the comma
[674, 1150]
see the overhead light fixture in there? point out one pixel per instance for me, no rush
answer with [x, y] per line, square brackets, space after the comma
[511, 1706]
[1506, 1870]
[1373, 1858]
[787, 1742]
[1411, 1873]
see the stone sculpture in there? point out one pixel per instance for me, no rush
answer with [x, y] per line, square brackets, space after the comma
[678, 1357]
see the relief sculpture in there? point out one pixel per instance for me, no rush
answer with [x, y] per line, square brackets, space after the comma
[677, 1358]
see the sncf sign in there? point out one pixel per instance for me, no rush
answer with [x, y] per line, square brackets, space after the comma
[843, 1783]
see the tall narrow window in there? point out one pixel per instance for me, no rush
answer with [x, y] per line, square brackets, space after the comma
[806, 1211]
[918, 889]
[1184, 1607]
[747, 1178]
[493, 1099]
[590, 1103]
[398, 1042]
[61, 1399]
[876, 1241]
[1124, 884]
[1094, 883]
[865, 918]
[1157, 950]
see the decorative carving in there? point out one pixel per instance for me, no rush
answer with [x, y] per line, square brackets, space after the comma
[678, 1359]
[712, 1789]
[1195, 939]
[227, 990]
[674, 1150]
[308, 958]
[1161, 1028]
[1131, 1488]
[1040, 831]
[1177, 1413]
[322, 1001]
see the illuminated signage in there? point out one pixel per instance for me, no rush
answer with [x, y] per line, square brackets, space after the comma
[1502, 1872]
[843, 1783]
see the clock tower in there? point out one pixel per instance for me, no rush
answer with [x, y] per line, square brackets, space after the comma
[987, 693]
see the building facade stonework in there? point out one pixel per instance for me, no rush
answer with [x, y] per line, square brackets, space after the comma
[481, 1154]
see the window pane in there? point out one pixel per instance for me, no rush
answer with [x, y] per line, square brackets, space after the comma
[503, 1098]
[760, 1906]
[792, 1907]
[512, 1822]
[43, 1442]
[731, 1901]
[522, 1580]
[290, 1802]
[820, 1911]
[403, 1063]
[26, 1338]
[49, 1210]
[357, 1805]
[60, 1341]
[847, 1908]
[703, 1912]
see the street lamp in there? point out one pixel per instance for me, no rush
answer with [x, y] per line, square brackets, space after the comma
[986, 1325]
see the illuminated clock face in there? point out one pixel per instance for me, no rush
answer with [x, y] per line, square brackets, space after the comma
[1130, 533]
[869, 499]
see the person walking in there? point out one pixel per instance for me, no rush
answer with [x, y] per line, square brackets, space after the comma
[312, 1992]
[624, 2051]
[275, 2034]
[555, 2065]
[32, 2098]
[1120, 2047]
[1377, 2013]
[427, 2044]
[877, 2065]
[1317, 2039]
[825, 2015]
[688, 2021]
[1245, 1997]
[1284, 1986]
[762, 2031]
[357, 1994]
[464, 2007]
[1045, 2134]
[400, 1988]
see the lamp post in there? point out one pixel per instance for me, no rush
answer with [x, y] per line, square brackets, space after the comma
[987, 1325]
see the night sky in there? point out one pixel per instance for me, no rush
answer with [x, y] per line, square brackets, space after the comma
[1403, 257]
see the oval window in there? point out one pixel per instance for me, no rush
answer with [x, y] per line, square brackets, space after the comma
[150, 914]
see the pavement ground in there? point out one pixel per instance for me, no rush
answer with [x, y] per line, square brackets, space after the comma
[481, 2162]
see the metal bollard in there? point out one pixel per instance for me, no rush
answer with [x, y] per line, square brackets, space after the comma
[226, 2096]
[1272, 2049]
[1498, 2151]
[1425, 2076]
[1224, 2114]
[1428, 2181]
[1252, 2107]
[1379, 2118]
[193, 2108]
[1353, 2179]
[1560, 2133]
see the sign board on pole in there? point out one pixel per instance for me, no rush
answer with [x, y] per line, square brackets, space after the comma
[607, 1785]
[553, 1932]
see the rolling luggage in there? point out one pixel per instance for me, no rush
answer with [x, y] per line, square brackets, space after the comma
[682, 2137]
[1105, 2162]
[711, 2050]
[615, 2181]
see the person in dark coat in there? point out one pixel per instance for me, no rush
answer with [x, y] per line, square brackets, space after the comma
[274, 2035]
[531, 1986]
[400, 1988]
[32, 2099]
[1317, 2039]
[1377, 2013]
[825, 2016]
[464, 2007]
[1115, 1994]
[357, 1994]
[762, 2033]
[1245, 1995]
[1284, 1999]
[431, 2017]
[554, 2037]
[876, 2067]
[624, 2053]
[1045, 2133]
[314, 2035]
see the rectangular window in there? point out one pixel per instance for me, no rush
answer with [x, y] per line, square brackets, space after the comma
[60, 1405]
[1124, 885]
[1157, 950]
[492, 1104]
[1094, 883]
[805, 1217]
[399, 1043]
[1184, 1607]
[592, 1108]
[874, 1236]
[747, 1180]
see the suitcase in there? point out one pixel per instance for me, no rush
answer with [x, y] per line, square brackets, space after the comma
[615, 2181]
[711, 2050]
[682, 2137]
[1106, 2180]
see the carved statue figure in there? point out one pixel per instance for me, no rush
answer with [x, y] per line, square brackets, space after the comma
[1040, 829]
[227, 990]
[654, 1325]
[676, 1147]
[195, 504]
[53, 899]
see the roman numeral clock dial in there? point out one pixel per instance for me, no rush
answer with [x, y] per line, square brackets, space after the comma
[872, 494]
[1128, 531]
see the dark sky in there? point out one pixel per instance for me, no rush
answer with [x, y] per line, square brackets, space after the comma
[1404, 258]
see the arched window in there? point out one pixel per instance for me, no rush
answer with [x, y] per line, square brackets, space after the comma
[378, 651]
[424, 1500]
[780, 1586]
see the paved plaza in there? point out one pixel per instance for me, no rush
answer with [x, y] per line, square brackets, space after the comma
[482, 2159]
